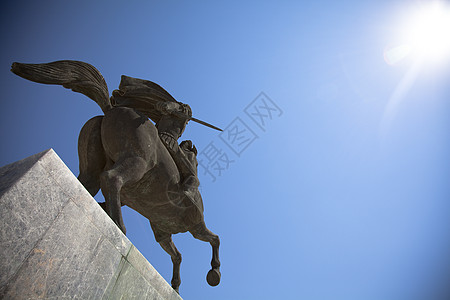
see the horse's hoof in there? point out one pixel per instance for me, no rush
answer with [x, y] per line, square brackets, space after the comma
[213, 277]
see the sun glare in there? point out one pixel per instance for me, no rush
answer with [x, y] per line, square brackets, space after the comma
[429, 32]
[424, 34]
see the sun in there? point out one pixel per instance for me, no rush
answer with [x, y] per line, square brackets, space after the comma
[424, 34]
[429, 33]
[421, 34]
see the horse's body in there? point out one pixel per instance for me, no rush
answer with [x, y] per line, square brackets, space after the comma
[122, 154]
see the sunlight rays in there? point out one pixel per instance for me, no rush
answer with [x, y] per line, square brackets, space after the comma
[424, 38]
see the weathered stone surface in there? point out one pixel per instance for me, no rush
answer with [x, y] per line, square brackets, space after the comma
[57, 243]
[30, 202]
[136, 259]
[132, 285]
[102, 222]
[13, 172]
[72, 260]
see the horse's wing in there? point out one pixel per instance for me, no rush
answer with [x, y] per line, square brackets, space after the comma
[78, 76]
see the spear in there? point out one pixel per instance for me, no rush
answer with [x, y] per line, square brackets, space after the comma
[204, 123]
[181, 115]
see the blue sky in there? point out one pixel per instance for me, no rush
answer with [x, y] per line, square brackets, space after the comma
[330, 201]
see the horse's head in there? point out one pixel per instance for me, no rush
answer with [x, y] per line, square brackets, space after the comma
[190, 151]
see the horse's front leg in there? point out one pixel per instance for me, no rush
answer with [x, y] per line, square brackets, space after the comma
[128, 169]
[204, 234]
[168, 245]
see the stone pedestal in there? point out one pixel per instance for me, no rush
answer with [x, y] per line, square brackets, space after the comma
[57, 243]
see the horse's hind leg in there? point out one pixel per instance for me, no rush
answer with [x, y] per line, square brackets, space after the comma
[126, 169]
[168, 246]
[91, 155]
[204, 234]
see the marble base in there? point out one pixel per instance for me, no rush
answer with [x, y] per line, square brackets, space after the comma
[57, 243]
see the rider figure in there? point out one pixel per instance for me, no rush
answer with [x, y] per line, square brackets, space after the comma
[171, 125]
[171, 118]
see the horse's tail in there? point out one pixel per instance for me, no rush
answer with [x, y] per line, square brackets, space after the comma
[78, 76]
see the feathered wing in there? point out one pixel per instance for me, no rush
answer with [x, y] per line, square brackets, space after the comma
[78, 76]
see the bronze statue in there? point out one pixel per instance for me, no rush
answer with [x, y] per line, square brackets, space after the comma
[133, 161]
